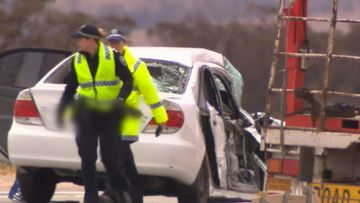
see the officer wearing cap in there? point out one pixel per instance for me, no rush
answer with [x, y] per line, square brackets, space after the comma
[143, 86]
[101, 81]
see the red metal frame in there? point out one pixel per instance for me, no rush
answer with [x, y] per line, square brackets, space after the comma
[295, 40]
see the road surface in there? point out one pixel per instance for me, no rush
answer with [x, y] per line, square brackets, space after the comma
[70, 193]
[75, 197]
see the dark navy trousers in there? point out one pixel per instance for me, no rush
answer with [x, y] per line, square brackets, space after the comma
[95, 127]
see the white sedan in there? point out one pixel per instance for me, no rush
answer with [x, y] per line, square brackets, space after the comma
[209, 143]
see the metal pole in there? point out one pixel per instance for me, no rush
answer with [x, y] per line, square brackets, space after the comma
[317, 19]
[317, 55]
[327, 67]
[319, 92]
[283, 113]
[283, 104]
[273, 68]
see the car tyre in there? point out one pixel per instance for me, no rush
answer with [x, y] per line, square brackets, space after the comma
[37, 186]
[198, 192]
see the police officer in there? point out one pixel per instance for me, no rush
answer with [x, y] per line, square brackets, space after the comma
[143, 86]
[102, 82]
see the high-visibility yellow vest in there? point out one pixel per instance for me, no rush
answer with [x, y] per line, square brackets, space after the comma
[143, 85]
[105, 87]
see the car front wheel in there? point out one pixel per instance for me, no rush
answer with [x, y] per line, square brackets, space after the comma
[198, 192]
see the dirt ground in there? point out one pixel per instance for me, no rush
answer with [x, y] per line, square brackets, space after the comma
[7, 177]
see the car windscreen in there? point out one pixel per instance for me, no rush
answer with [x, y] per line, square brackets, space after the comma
[169, 77]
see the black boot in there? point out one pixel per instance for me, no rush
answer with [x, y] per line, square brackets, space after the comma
[106, 198]
[123, 197]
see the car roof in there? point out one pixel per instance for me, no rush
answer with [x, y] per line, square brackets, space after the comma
[185, 56]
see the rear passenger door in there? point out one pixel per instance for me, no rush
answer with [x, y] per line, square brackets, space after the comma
[21, 69]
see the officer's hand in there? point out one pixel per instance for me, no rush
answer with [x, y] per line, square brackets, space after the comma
[118, 103]
[60, 122]
[134, 112]
[118, 106]
[60, 118]
[159, 129]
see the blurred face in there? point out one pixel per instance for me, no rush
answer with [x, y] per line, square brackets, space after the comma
[85, 44]
[117, 45]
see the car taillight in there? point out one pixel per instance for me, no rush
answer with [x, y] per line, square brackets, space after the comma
[287, 167]
[25, 111]
[174, 123]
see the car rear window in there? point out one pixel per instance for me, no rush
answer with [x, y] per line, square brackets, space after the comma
[168, 77]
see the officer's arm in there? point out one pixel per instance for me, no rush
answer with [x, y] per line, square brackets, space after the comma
[68, 95]
[146, 87]
[70, 88]
[123, 72]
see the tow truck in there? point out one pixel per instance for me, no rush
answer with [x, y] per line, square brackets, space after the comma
[316, 148]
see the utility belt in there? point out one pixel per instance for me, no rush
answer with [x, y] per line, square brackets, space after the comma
[94, 104]
[106, 106]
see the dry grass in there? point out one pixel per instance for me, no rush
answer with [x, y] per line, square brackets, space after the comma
[6, 169]
[7, 176]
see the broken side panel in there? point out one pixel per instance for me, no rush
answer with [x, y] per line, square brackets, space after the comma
[218, 129]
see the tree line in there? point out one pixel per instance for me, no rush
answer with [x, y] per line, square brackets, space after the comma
[248, 46]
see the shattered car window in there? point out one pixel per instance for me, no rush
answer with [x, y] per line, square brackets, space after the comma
[237, 80]
[169, 77]
[219, 84]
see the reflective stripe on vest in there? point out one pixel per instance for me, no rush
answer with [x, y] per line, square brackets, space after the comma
[156, 105]
[100, 83]
[106, 85]
[132, 62]
[130, 126]
[136, 66]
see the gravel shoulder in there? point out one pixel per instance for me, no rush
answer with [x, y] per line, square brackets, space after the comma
[7, 177]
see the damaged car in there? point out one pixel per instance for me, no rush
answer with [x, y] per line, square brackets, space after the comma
[209, 143]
